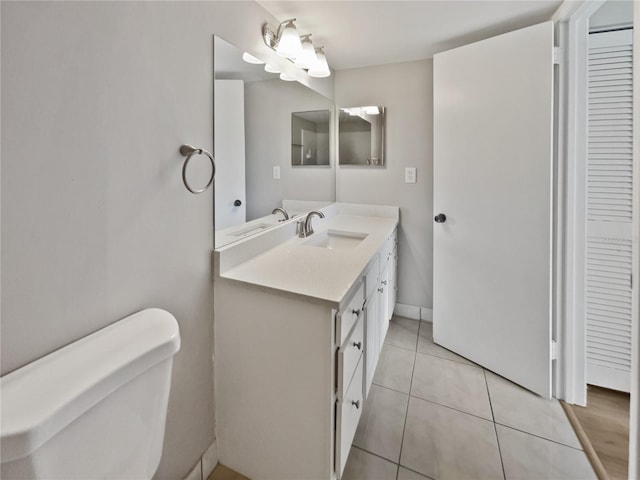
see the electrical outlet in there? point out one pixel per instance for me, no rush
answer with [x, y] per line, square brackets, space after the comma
[276, 173]
[410, 175]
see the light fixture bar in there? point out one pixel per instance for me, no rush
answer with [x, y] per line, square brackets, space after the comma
[297, 49]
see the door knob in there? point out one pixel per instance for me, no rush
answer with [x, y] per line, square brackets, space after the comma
[237, 203]
[440, 218]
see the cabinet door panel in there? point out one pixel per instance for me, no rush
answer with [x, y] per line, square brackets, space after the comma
[371, 346]
[348, 356]
[348, 411]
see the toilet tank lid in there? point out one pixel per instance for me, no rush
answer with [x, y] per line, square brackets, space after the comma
[43, 397]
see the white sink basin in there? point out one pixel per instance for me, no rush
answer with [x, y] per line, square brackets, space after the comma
[335, 239]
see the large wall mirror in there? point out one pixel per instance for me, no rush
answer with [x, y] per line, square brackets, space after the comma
[254, 146]
[361, 136]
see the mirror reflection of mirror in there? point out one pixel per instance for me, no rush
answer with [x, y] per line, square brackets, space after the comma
[361, 136]
[252, 145]
[310, 138]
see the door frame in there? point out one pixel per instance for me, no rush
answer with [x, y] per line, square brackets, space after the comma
[572, 30]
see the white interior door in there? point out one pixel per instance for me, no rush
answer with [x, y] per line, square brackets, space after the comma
[493, 144]
[610, 202]
[229, 151]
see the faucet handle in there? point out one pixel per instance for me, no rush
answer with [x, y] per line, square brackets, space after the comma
[300, 230]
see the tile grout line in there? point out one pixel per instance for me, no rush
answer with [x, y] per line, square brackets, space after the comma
[495, 428]
[415, 471]
[375, 455]
[539, 436]
[406, 413]
[440, 404]
[393, 463]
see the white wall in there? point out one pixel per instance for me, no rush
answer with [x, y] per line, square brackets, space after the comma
[406, 90]
[97, 97]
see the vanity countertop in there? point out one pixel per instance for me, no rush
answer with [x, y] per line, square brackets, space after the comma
[316, 272]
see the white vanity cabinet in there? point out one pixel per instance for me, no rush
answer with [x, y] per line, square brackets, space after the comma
[292, 368]
[380, 281]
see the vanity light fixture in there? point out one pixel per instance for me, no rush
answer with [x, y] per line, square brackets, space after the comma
[247, 57]
[289, 44]
[359, 111]
[298, 49]
[321, 68]
[307, 57]
[271, 69]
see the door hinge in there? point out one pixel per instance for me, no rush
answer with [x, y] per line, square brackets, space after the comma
[554, 350]
[557, 54]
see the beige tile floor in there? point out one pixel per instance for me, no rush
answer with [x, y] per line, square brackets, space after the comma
[433, 414]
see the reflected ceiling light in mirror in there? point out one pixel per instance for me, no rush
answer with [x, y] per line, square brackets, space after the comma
[286, 77]
[271, 69]
[307, 57]
[247, 57]
[302, 53]
[321, 68]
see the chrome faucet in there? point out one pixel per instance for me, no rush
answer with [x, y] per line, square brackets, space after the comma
[283, 211]
[305, 229]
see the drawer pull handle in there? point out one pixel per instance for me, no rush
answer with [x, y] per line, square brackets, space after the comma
[381, 290]
[384, 282]
[358, 345]
[356, 312]
[355, 403]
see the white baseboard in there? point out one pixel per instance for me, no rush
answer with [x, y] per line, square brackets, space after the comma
[203, 468]
[209, 460]
[407, 311]
[196, 472]
[413, 312]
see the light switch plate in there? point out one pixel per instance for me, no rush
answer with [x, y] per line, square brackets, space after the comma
[276, 173]
[410, 175]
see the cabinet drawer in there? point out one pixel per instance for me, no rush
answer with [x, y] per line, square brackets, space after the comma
[348, 413]
[346, 318]
[349, 355]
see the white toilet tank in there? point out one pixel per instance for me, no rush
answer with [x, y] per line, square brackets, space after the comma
[95, 409]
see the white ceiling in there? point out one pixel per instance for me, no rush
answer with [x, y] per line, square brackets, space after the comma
[363, 33]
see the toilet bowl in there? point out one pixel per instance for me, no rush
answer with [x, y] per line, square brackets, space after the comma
[96, 408]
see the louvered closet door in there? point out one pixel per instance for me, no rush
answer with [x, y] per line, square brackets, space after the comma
[610, 202]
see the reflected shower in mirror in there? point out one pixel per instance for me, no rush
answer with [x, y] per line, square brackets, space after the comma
[310, 138]
[253, 147]
[361, 136]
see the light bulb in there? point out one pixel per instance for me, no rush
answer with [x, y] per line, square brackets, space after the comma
[307, 56]
[247, 57]
[289, 45]
[271, 69]
[321, 68]
[286, 77]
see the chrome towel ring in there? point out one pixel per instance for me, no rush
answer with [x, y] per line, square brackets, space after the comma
[189, 151]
